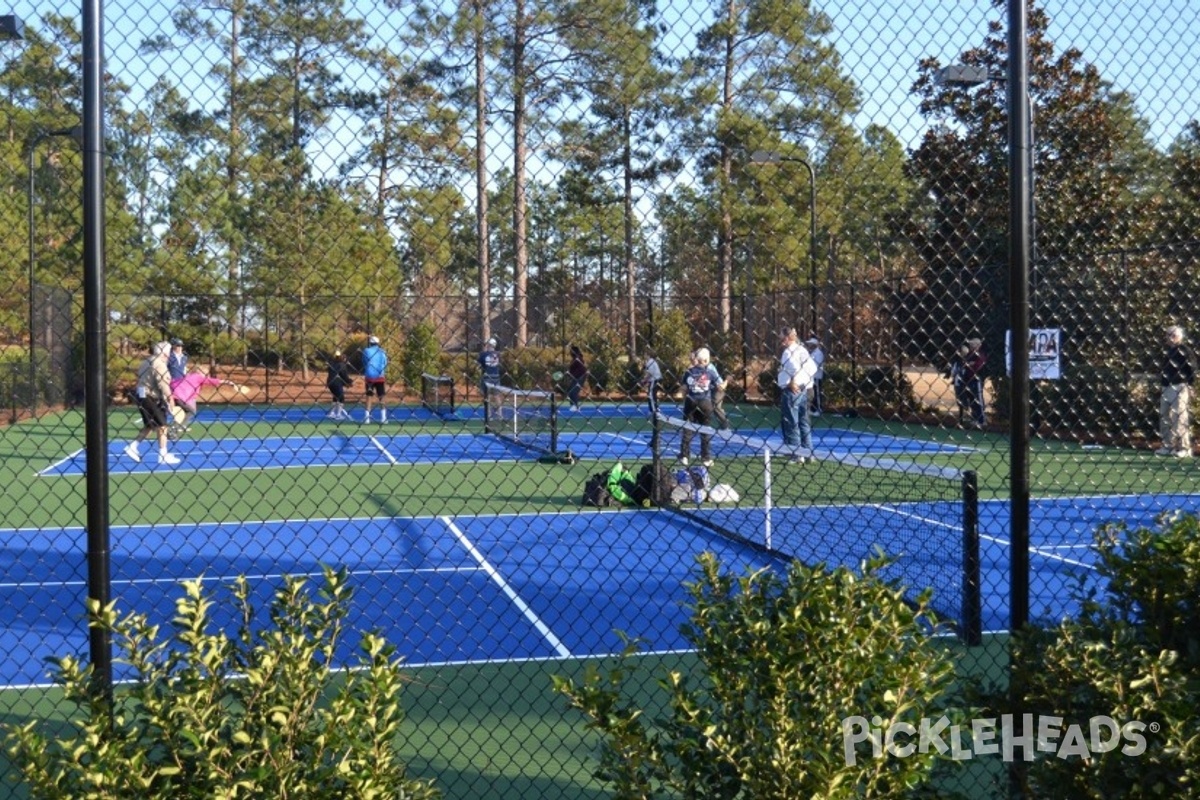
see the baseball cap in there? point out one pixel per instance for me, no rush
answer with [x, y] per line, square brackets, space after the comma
[811, 340]
[176, 342]
[492, 341]
[372, 340]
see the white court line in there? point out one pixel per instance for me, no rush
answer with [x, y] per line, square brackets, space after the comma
[65, 459]
[900, 512]
[1040, 552]
[533, 618]
[382, 449]
[263, 576]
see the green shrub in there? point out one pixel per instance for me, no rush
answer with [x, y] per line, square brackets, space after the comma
[422, 353]
[209, 716]
[1133, 656]
[671, 336]
[228, 348]
[1092, 399]
[786, 663]
[529, 367]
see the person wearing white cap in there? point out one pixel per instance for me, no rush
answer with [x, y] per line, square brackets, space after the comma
[155, 404]
[816, 398]
[375, 363]
[700, 381]
[489, 365]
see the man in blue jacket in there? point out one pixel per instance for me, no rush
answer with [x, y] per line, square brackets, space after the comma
[375, 363]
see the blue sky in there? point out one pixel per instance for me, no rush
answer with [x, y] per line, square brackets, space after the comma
[1150, 48]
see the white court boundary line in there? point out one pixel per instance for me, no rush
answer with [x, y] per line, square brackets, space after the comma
[379, 445]
[1040, 551]
[495, 575]
[262, 576]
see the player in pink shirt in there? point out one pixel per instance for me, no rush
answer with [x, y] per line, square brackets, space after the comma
[186, 391]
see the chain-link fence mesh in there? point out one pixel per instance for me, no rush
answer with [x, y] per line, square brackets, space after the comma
[287, 183]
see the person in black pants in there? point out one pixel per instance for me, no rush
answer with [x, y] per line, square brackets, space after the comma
[700, 382]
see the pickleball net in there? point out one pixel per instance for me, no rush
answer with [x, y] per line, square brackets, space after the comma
[838, 508]
[527, 418]
[437, 394]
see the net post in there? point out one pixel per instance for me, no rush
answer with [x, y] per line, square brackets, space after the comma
[553, 423]
[972, 614]
[766, 454]
[657, 489]
[487, 409]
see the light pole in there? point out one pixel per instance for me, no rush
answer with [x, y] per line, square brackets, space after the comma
[969, 76]
[75, 132]
[771, 157]
[1021, 251]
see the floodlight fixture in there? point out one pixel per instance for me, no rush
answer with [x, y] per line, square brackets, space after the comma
[962, 75]
[12, 29]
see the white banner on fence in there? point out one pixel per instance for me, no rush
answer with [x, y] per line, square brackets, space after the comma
[1045, 348]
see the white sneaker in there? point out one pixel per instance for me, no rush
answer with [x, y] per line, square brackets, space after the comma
[131, 450]
[1183, 453]
[708, 462]
[168, 458]
[331, 415]
[683, 460]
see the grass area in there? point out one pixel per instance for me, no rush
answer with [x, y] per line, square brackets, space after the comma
[499, 731]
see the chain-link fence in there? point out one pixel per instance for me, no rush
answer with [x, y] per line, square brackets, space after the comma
[467, 192]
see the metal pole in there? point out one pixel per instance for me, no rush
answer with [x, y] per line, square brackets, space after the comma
[1020, 229]
[1020, 200]
[95, 338]
[812, 244]
[38, 138]
[32, 256]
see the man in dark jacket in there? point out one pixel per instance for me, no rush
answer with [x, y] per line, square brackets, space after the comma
[1177, 376]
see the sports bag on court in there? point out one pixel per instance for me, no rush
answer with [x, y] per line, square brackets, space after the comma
[648, 489]
[595, 492]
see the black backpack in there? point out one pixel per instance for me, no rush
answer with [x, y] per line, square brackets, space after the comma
[595, 492]
[657, 492]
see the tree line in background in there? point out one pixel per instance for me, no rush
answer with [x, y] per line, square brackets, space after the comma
[341, 156]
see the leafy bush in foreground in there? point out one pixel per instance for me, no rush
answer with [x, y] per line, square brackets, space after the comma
[255, 716]
[1132, 656]
[785, 662]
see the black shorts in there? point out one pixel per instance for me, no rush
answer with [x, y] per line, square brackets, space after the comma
[376, 386]
[154, 412]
